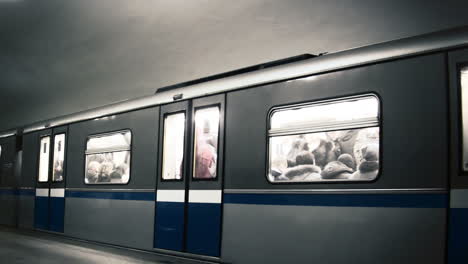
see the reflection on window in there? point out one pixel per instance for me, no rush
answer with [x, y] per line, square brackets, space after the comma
[108, 158]
[59, 157]
[206, 143]
[173, 146]
[464, 110]
[325, 116]
[327, 146]
[44, 159]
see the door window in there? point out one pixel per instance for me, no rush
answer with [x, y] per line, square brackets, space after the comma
[108, 158]
[173, 146]
[59, 157]
[44, 159]
[205, 147]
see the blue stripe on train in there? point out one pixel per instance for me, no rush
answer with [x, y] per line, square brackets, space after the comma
[41, 213]
[458, 236]
[8, 192]
[417, 200]
[204, 229]
[57, 213]
[21, 192]
[26, 192]
[169, 226]
[136, 196]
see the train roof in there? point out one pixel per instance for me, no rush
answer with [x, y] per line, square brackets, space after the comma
[411, 46]
[239, 71]
[8, 133]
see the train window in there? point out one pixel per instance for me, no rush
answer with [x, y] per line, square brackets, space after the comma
[59, 157]
[334, 140]
[464, 110]
[206, 143]
[173, 146]
[108, 158]
[44, 159]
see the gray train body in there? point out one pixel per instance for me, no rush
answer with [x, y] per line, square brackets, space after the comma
[415, 211]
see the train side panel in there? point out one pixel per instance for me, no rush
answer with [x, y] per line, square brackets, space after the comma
[27, 184]
[111, 213]
[8, 181]
[281, 223]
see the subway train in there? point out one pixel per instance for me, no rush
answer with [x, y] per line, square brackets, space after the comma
[357, 156]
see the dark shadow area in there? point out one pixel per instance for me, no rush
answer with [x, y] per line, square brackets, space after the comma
[24, 246]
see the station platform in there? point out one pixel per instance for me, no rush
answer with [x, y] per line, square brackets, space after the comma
[25, 246]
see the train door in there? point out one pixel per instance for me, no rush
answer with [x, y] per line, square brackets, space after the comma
[190, 180]
[50, 187]
[458, 213]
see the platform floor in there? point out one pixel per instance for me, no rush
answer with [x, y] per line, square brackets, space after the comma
[21, 246]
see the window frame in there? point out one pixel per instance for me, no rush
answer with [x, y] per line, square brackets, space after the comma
[2, 149]
[461, 162]
[64, 156]
[332, 100]
[185, 112]
[101, 135]
[39, 159]
[218, 105]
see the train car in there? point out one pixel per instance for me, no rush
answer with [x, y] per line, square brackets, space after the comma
[357, 156]
[10, 165]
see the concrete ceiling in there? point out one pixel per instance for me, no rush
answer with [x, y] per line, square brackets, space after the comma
[58, 57]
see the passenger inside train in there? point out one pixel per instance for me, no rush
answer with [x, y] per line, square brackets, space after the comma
[347, 154]
[108, 158]
[206, 143]
[325, 141]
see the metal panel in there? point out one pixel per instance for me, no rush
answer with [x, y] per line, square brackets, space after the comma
[57, 192]
[41, 212]
[305, 234]
[458, 233]
[7, 162]
[42, 192]
[459, 198]
[25, 210]
[7, 207]
[175, 196]
[56, 214]
[458, 228]
[108, 221]
[30, 162]
[169, 226]
[344, 59]
[8, 182]
[205, 196]
[204, 228]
